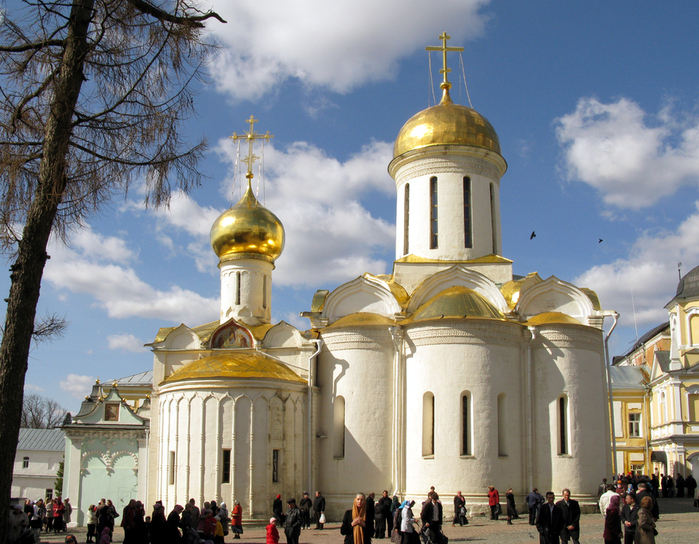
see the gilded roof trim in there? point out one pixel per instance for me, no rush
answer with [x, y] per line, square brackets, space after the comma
[239, 364]
[490, 259]
[362, 319]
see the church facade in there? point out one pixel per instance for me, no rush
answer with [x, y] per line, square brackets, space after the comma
[449, 372]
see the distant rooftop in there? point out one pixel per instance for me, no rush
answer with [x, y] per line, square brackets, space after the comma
[627, 377]
[41, 440]
[142, 378]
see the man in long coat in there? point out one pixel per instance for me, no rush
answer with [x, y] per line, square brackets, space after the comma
[550, 521]
[571, 518]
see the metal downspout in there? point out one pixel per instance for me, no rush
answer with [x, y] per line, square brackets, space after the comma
[311, 433]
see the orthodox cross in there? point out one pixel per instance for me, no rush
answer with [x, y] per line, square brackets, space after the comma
[443, 48]
[250, 136]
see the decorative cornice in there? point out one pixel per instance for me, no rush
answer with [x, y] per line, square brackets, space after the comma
[572, 338]
[482, 334]
[461, 166]
[368, 338]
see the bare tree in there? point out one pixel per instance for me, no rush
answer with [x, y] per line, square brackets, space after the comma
[92, 96]
[41, 413]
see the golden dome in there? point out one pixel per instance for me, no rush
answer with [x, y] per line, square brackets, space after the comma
[363, 319]
[446, 124]
[241, 364]
[456, 302]
[552, 318]
[248, 230]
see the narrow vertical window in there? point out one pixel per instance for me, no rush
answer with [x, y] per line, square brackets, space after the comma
[493, 220]
[49, 494]
[406, 219]
[25, 462]
[171, 469]
[465, 424]
[434, 214]
[264, 292]
[237, 288]
[226, 474]
[275, 465]
[635, 425]
[562, 425]
[468, 242]
[502, 433]
[427, 424]
[339, 429]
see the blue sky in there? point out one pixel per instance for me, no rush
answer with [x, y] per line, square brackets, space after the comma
[595, 104]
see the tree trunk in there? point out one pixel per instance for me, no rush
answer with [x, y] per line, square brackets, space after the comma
[28, 267]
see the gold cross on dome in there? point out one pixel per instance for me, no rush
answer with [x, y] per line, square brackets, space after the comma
[443, 48]
[251, 136]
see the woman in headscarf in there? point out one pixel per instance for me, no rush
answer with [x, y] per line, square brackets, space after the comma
[358, 522]
[612, 522]
[409, 536]
[645, 529]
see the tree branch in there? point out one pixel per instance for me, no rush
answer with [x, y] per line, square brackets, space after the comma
[32, 46]
[190, 20]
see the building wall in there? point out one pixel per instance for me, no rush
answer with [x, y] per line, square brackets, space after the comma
[33, 481]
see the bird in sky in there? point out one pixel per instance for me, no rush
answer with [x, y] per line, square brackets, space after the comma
[533, 235]
[600, 241]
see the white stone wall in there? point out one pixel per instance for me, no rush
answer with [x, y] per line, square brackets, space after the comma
[483, 359]
[197, 422]
[568, 360]
[254, 302]
[486, 236]
[355, 364]
[33, 481]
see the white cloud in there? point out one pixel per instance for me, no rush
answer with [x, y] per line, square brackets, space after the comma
[77, 386]
[330, 235]
[35, 388]
[631, 157]
[120, 291]
[337, 45]
[126, 342]
[100, 247]
[648, 277]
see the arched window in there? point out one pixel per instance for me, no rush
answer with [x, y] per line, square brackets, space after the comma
[264, 292]
[339, 429]
[406, 219]
[237, 288]
[502, 432]
[468, 237]
[465, 423]
[434, 214]
[562, 425]
[427, 424]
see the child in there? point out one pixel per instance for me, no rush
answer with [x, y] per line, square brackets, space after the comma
[218, 531]
[272, 533]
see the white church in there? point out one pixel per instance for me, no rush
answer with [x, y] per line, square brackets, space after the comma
[487, 378]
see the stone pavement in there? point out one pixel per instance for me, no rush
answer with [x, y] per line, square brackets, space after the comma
[678, 524]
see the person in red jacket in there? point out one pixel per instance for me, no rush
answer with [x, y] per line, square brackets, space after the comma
[494, 502]
[272, 532]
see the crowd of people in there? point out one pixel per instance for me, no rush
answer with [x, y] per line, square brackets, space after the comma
[629, 505]
[50, 516]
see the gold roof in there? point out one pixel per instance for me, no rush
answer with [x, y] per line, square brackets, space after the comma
[397, 290]
[362, 319]
[593, 297]
[446, 124]
[456, 302]
[248, 230]
[202, 331]
[239, 364]
[548, 318]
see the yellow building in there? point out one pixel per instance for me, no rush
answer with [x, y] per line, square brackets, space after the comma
[669, 354]
[631, 418]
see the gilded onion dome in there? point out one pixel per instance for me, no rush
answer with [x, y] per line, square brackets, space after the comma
[248, 230]
[446, 124]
